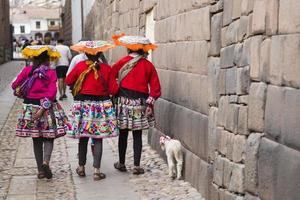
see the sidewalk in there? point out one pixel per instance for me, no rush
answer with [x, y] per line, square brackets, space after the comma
[18, 168]
[116, 186]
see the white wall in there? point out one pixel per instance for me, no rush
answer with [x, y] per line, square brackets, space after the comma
[87, 6]
[44, 25]
[76, 21]
[17, 29]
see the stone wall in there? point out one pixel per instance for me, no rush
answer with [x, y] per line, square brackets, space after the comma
[230, 72]
[67, 22]
[5, 32]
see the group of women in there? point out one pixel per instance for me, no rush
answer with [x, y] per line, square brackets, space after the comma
[108, 101]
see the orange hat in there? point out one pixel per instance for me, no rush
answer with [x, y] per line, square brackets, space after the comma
[134, 43]
[92, 47]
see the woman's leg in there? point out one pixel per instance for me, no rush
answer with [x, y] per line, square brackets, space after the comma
[137, 146]
[122, 145]
[82, 151]
[97, 153]
[48, 148]
[38, 152]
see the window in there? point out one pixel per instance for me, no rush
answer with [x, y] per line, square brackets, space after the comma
[52, 23]
[38, 24]
[22, 29]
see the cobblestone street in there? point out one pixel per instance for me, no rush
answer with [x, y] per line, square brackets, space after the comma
[18, 170]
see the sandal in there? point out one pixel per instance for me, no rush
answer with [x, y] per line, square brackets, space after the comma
[120, 167]
[47, 171]
[99, 176]
[80, 172]
[138, 171]
[41, 175]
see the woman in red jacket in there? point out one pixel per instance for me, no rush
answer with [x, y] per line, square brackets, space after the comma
[93, 112]
[139, 87]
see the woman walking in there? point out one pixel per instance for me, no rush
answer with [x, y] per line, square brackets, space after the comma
[135, 100]
[42, 118]
[93, 112]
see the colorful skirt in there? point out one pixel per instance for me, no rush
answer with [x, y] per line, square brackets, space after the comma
[52, 124]
[131, 114]
[94, 119]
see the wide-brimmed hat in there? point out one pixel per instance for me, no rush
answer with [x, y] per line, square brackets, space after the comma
[134, 43]
[92, 47]
[32, 51]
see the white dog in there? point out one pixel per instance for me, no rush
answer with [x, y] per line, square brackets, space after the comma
[173, 151]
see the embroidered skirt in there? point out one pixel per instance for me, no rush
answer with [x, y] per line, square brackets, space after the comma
[52, 124]
[95, 119]
[131, 114]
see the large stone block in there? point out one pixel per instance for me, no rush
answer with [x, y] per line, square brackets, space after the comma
[272, 17]
[247, 6]
[227, 172]
[227, 12]
[223, 110]
[232, 118]
[239, 146]
[231, 82]
[231, 33]
[214, 195]
[284, 127]
[229, 145]
[259, 16]
[205, 179]
[221, 85]
[289, 16]
[212, 132]
[222, 136]
[257, 106]
[251, 170]
[218, 168]
[215, 43]
[243, 27]
[227, 56]
[243, 80]
[238, 49]
[255, 57]
[245, 57]
[264, 59]
[226, 195]
[212, 78]
[285, 60]
[237, 181]
[251, 197]
[278, 171]
[236, 9]
[217, 7]
[243, 121]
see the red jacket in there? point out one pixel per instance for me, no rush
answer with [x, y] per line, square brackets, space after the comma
[92, 86]
[140, 77]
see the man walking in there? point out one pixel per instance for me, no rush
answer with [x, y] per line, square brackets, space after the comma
[62, 67]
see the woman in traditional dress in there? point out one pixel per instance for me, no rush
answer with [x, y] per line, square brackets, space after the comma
[139, 87]
[93, 114]
[42, 118]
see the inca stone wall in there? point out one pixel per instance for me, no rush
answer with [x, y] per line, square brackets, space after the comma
[230, 72]
[5, 38]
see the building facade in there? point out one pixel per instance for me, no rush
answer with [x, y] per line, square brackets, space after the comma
[35, 23]
[229, 71]
[5, 32]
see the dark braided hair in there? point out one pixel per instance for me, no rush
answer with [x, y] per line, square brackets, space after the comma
[39, 60]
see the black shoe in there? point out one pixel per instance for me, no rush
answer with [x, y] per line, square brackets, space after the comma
[61, 98]
[47, 171]
[64, 96]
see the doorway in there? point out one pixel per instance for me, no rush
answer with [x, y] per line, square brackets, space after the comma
[150, 28]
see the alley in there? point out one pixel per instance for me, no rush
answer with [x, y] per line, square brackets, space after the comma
[18, 168]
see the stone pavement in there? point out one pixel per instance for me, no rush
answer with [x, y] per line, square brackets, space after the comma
[18, 168]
